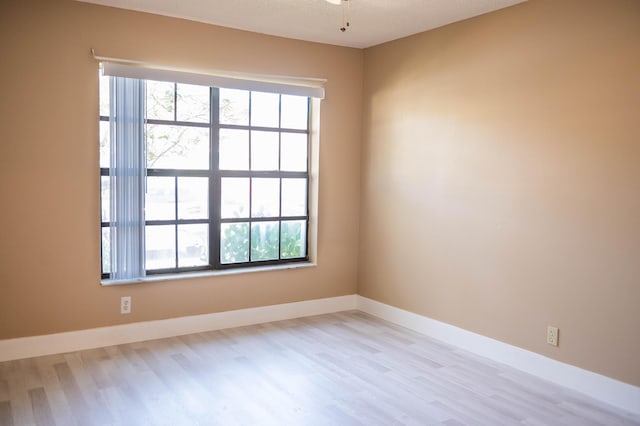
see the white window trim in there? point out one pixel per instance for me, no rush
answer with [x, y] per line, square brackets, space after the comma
[313, 87]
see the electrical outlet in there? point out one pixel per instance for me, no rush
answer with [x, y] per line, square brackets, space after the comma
[552, 335]
[125, 305]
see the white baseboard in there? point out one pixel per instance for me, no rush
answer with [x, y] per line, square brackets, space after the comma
[613, 392]
[600, 387]
[27, 347]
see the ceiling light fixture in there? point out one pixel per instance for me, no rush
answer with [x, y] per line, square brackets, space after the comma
[345, 12]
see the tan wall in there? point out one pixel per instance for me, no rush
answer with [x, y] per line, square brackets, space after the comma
[501, 173]
[49, 188]
[501, 178]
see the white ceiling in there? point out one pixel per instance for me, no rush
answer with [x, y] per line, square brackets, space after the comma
[372, 21]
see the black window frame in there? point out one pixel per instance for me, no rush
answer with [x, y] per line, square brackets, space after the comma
[215, 176]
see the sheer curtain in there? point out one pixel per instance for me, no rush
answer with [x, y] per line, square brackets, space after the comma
[127, 174]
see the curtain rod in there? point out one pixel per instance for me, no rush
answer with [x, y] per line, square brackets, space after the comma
[318, 82]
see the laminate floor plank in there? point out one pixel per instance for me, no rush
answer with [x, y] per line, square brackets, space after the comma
[18, 392]
[41, 408]
[60, 409]
[125, 399]
[74, 396]
[347, 368]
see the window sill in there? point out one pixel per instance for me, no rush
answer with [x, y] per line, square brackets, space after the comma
[204, 274]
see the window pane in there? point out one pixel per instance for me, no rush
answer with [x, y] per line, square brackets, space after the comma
[265, 197]
[177, 147]
[193, 103]
[234, 106]
[235, 197]
[264, 150]
[105, 144]
[234, 149]
[294, 112]
[294, 237]
[294, 197]
[160, 246]
[193, 198]
[293, 152]
[160, 200]
[264, 241]
[106, 250]
[185, 198]
[160, 100]
[265, 109]
[193, 245]
[234, 242]
[104, 94]
[105, 198]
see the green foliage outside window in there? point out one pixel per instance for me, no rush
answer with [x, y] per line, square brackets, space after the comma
[264, 241]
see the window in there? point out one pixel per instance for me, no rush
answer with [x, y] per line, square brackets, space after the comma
[224, 176]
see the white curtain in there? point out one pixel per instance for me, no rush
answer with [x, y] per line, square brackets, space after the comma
[127, 174]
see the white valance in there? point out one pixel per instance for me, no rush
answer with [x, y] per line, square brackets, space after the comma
[300, 86]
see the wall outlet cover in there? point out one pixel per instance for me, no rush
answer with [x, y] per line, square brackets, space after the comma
[552, 335]
[125, 305]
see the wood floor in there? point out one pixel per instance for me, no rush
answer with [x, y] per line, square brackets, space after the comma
[340, 369]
